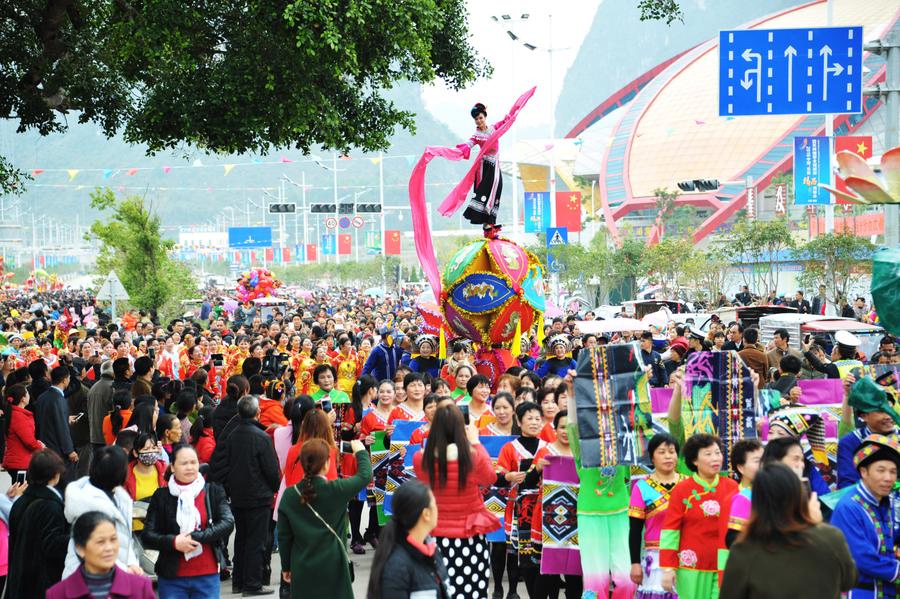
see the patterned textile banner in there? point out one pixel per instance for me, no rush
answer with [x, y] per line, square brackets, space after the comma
[612, 398]
[559, 518]
[495, 497]
[382, 456]
[718, 399]
[396, 472]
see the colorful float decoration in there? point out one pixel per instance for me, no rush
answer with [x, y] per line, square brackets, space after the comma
[492, 290]
[256, 283]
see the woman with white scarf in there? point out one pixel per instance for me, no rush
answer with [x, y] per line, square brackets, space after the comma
[189, 523]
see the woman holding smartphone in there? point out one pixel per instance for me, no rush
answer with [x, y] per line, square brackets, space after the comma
[18, 428]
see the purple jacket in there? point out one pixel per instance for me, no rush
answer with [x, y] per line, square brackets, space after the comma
[125, 586]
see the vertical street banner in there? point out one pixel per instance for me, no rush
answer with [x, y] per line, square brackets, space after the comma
[861, 145]
[373, 243]
[345, 244]
[392, 243]
[311, 252]
[718, 399]
[614, 412]
[329, 244]
[812, 167]
[270, 254]
[568, 210]
[537, 212]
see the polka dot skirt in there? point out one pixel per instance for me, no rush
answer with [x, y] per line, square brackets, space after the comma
[469, 565]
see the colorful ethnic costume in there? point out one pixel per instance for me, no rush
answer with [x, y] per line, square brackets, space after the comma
[603, 530]
[868, 525]
[646, 513]
[519, 456]
[348, 370]
[691, 534]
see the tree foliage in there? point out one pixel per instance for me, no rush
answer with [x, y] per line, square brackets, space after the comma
[661, 10]
[228, 76]
[753, 246]
[132, 245]
[837, 260]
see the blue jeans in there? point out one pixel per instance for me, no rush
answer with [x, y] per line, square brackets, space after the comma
[189, 587]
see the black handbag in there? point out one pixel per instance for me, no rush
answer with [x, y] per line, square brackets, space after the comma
[342, 544]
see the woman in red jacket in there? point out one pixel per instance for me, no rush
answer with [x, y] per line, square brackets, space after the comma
[454, 464]
[202, 435]
[18, 428]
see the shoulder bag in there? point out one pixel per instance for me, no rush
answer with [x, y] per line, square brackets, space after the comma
[342, 543]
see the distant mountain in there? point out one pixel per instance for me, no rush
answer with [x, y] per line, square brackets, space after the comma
[620, 47]
[196, 195]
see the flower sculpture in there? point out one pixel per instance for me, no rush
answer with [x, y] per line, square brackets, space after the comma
[865, 185]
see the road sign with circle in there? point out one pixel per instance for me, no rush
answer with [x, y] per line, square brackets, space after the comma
[331, 223]
[358, 222]
[344, 222]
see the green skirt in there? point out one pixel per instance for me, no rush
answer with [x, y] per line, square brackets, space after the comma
[697, 584]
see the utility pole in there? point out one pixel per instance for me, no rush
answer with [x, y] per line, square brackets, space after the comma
[889, 46]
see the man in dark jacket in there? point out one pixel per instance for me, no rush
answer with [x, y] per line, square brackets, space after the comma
[51, 417]
[245, 463]
[76, 396]
[384, 358]
[99, 401]
[658, 375]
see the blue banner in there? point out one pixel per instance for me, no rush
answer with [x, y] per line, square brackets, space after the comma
[249, 237]
[329, 244]
[812, 167]
[537, 212]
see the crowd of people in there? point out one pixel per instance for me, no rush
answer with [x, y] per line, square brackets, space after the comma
[137, 448]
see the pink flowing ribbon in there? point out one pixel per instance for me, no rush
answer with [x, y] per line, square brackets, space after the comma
[456, 198]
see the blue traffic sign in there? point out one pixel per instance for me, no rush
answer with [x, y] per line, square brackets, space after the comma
[249, 237]
[790, 71]
[557, 236]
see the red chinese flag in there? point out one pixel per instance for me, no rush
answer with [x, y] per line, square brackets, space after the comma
[392, 243]
[568, 210]
[858, 144]
[270, 254]
[237, 257]
[285, 254]
[345, 244]
[310, 252]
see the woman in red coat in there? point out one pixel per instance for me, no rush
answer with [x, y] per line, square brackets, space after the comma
[18, 427]
[455, 465]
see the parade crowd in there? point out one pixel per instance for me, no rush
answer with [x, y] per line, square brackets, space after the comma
[137, 448]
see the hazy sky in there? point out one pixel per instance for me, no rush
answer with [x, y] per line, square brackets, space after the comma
[515, 67]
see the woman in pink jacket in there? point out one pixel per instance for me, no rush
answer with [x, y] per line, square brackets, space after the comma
[455, 465]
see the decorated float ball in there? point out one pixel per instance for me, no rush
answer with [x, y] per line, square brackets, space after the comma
[492, 290]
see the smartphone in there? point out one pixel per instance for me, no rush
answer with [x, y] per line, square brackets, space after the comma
[78, 416]
[218, 359]
[326, 405]
[345, 447]
[807, 339]
[806, 486]
[465, 413]
[20, 477]
[152, 353]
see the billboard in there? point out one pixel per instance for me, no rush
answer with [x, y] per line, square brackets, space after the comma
[249, 237]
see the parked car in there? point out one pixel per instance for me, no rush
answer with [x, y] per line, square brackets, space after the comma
[821, 329]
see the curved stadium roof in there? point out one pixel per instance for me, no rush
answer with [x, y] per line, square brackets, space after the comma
[670, 130]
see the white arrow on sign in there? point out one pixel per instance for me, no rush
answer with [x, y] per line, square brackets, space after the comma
[837, 69]
[790, 52]
[745, 82]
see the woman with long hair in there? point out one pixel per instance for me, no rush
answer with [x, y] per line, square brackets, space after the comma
[455, 466]
[785, 551]
[18, 430]
[236, 387]
[315, 425]
[407, 561]
[364, 392]
[115, 421]
[189, 523]
[309, 518]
